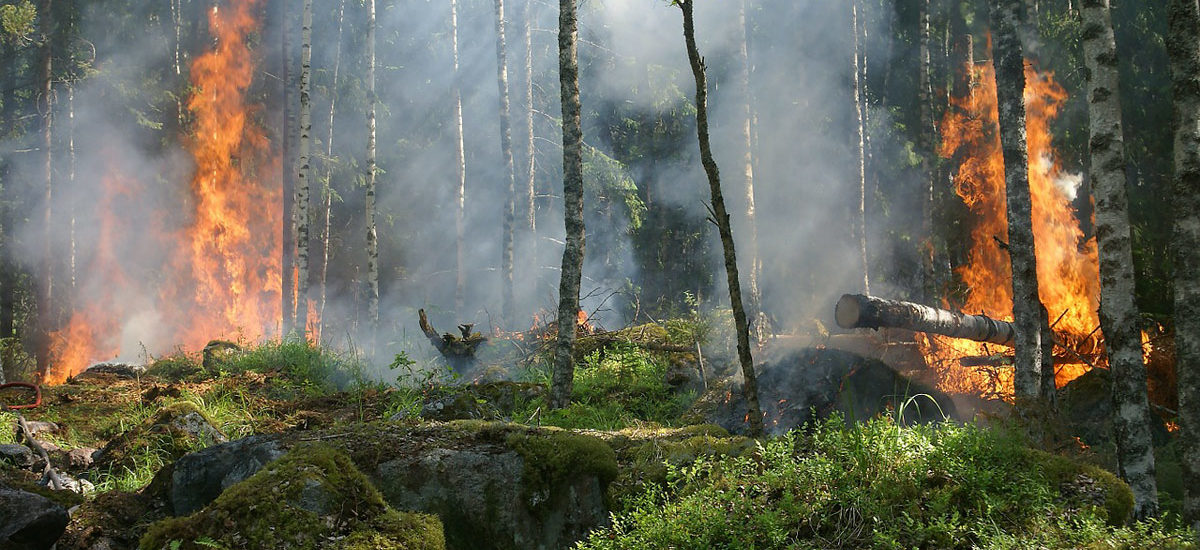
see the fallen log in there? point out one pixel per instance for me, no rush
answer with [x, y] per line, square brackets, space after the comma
[861, 311]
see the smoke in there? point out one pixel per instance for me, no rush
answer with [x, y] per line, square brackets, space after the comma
[633, 63]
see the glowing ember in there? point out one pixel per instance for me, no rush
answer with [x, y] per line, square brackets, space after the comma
[1068, 271]
[223, 278]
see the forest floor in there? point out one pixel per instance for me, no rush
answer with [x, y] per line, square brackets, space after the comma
[675, 481]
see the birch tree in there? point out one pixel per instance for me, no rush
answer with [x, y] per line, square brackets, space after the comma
[45, 105]
[860, 214]
[327, 189]
[508, 214]
[1118, 312]
[460, 172]
[288, 283]
[572, 260]
[1028, 313]
[746, 120]
[1184, 52]
[372, 237]
[721, 215]
[303, 172]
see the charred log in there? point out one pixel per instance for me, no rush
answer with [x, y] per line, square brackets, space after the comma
[861, 311]
[449, 345]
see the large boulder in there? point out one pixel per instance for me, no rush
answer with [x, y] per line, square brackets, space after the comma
[807, 384]
[30, 521]
[311, 497]
[493, 485]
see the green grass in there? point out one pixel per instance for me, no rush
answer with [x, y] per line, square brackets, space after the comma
[877, 485]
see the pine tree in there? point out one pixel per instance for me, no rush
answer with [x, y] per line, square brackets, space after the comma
[510, 195]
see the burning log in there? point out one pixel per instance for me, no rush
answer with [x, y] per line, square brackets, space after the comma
[861, 311]
[450, 345]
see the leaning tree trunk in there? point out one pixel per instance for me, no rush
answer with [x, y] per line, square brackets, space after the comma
[572, 262]
[1118, 312]
[746, 116]
[510, 194]
[1184, 52]
[372, 236]
[754, 413]
[46, 276]
[860, 311]
[303, 173]
[1027, 308]
[460, 174]
[861, 212]
[327, 189]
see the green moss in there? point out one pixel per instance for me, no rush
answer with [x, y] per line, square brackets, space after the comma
[644, 455]
[161, 436]
[305, 499]
[554, 456]
[1059, 471]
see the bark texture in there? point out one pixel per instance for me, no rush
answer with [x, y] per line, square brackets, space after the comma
[460, 173]
[288, 303]
[754, 412]
[860, 311]
[372, 237]
[860, 215]
[925, 135]
[1010, 91]
[572, 262]
[45, 105]
[510, 193]
[303, 172]
[1118, 312]
[1184, 52]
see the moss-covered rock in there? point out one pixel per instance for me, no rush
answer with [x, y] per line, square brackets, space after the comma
[174, 431]
[484, 401]
[312, 497]
[1086, 485]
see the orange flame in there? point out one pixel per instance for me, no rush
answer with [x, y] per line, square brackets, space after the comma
[1068, 269]
[223, 278]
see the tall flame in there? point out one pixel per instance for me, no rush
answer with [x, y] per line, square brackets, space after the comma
[222, 278]
[1068, 269]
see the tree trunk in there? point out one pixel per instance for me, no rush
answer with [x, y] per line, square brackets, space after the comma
[530, 149]
[1118, 311]
[860, 215]
[303, 173]
[45, 301]
[288, 271]
[1027, 308]
[754, 414]
[572, 261]
[510, 195]
[930, 287]
[1184, 52]
[747, 119]
[859, 311]
[372, 237]
[460, 173]
[327, 198]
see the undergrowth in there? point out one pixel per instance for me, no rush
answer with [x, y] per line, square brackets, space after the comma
[877, 485]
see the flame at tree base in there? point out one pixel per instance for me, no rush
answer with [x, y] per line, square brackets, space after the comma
[1068, 269]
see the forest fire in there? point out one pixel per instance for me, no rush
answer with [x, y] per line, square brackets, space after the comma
[222, 278]
[1068, 271]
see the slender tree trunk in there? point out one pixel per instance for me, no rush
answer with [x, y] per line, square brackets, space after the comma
[1027, 308]
[1118, 310]
[372, 237]
[45, 104]
[327, 189]
[860, 215]
[572, 261]
[8, 279]
[303, 173]
[1184, 52]
[925, 134]
[289, 184]
[754, 412]
[747, 119]
[510, 195]
[460, 173]
[530, 149]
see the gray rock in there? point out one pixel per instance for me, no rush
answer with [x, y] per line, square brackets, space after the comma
[118, 369]
[81, 458]
[31, 522]
[37, 427]
[199, 478]
[17, 455]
